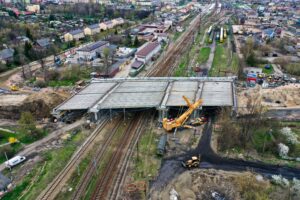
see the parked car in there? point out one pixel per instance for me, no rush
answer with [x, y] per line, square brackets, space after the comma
[15, 161]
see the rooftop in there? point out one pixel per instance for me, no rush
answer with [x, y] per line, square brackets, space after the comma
[93, 46]
[75, 32]
[148, 48]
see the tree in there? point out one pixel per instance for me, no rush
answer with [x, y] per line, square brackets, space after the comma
[128, 40]
[251, 61]
[136, 42]
[27, 49]
[51, 17]
[116, 31]
[27, 126]
[27, 122]
[106, 53]
[28, 34]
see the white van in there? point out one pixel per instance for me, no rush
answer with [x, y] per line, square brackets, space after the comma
[14, 161]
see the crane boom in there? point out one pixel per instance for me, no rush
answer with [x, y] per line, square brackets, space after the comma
[178, 122]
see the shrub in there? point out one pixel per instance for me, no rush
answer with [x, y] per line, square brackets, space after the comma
[40, 84]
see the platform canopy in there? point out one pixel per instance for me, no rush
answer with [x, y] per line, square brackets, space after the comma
[156, 92]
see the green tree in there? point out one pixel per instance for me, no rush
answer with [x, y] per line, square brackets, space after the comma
[51, 17]
[27, 50]
[128, 40]
[16, 57]
[136, 42]
[27, 127]
[28, 34]
[27, 122]
[251, 61]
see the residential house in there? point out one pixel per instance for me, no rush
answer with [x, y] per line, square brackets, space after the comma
[6, 55]
[118, 21]
[33, 8]
[147, 51]
[92, 29]
[43, 43]
[106, 25]
[74, 35]
[92, 51]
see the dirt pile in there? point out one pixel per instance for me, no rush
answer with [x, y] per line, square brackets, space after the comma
[201, 184]
[284, 96]
[39, 104]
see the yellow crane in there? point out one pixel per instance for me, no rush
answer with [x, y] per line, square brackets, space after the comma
[169, 125]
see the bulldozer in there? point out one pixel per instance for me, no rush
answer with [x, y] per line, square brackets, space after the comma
[192, 163]
[169, 125]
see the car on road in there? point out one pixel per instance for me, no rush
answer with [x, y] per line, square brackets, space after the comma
[15, 161]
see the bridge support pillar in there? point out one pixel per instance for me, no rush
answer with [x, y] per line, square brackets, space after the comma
[162, 113]
[196, 113]
[96, 116]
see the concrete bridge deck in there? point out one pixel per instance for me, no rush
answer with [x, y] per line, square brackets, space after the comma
[157, 92]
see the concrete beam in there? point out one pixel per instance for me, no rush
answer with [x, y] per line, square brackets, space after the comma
[97, 107]
[166, 97]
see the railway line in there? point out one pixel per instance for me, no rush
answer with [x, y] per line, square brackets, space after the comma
[54, 187]
[91, 170]
[110, 181]
[112, 170]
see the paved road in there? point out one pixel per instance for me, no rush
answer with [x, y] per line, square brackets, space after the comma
[31, 148]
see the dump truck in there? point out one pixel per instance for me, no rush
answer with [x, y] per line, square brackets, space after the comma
[191, 163]
[170, 124]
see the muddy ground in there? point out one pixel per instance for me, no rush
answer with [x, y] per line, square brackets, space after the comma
[39, 104]
[200, 184]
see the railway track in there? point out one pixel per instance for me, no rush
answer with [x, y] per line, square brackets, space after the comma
[111, 170]
[166, 66]
[90, 171]
[111, 179]
[53, 188]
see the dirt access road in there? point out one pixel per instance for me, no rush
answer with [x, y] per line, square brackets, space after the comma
[171, 167]
[31, 148]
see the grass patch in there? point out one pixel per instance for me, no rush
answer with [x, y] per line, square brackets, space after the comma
[55, 162]
[4, 135]
[220, 60]
[181, 71]
[292, 68]
[147, 164]
[235, 63]
[266, 71]
[203, 55]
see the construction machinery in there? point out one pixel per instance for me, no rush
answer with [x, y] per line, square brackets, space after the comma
[169, 125]
[14, 87]
[198, 121]
[192, 163]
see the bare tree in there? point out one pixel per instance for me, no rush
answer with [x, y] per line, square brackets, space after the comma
[106, 53]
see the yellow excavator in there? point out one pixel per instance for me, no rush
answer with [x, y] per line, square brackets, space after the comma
[14, 87]
[169, 125]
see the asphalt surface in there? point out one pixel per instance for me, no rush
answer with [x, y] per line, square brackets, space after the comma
[31, 148]
[171, 167]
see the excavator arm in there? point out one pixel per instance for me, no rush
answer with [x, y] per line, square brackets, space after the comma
[178, 122]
